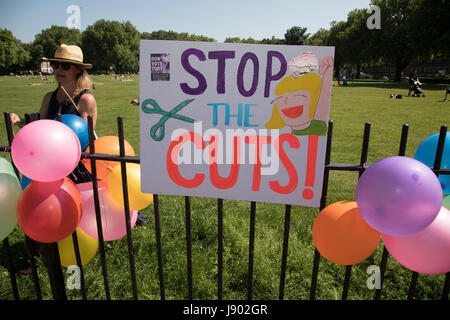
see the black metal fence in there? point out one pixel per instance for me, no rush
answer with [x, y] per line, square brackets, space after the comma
[52, 255]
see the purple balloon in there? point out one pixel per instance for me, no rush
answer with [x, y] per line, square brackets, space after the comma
[399, 196]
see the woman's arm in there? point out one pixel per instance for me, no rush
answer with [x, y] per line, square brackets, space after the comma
[87, 106]
[325, 68]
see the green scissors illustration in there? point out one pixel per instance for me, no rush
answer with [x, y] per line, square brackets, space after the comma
[157, 132]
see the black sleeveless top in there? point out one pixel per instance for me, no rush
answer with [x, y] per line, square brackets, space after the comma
[67, 106]
[80, 173]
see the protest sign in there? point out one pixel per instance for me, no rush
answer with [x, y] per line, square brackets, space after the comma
[234, 121]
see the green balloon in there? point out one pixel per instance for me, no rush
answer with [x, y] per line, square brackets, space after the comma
[446, 202]
[10, 190]
[6, 166]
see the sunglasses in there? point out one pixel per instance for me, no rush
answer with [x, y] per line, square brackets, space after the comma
[64, 65]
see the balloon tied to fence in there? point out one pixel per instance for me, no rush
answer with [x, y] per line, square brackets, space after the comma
[48, 206]
[400, 199]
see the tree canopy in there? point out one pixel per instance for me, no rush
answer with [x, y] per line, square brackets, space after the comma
[411, 30]
[172, 35]
[296, 36]
[46, 42]
[12, 53]
[112, 45]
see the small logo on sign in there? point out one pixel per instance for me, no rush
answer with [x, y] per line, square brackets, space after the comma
[160, 66]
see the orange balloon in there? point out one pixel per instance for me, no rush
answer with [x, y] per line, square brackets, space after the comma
[342, 236]
[107, 145]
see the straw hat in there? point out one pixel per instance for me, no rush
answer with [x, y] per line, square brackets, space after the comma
[71, 54]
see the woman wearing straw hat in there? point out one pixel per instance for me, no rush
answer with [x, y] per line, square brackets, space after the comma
[72, 96]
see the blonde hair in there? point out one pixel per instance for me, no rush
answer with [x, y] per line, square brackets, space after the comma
[310, 82]
[84, 81]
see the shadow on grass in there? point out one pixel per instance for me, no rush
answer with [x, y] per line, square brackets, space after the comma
[20, 258]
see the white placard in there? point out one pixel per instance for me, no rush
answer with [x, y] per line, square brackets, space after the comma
[234, 121]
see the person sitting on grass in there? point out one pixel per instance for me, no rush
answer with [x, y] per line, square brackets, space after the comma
[395, 96]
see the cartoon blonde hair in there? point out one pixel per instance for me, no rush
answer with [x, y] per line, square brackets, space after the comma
[310, 82]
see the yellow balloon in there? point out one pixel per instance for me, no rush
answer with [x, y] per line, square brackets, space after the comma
[87, 245]
[136, 199]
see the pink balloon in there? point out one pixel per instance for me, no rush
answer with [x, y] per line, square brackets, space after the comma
[46, 150]
[427, 251]
[112, 215]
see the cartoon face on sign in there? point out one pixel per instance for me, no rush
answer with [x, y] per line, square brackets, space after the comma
[302, 103]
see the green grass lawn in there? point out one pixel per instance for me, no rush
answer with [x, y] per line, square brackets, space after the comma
[351, 107]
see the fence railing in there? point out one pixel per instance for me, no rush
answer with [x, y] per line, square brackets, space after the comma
[52, 255]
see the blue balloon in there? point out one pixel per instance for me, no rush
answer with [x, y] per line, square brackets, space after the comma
[79, 126]
[25, 181]
[426, 153]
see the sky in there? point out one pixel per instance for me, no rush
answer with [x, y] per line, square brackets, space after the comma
[216, 19]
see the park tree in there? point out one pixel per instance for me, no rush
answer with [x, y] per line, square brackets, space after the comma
[172, 35]
[296, 36]
[126, 61]
[337, 37]
[13, 56]
[394, 42]
[358, 41]
[112, 45]
[160, 35]
[430, 39]
[48, 40]
[239, 40]
[272, 40]
[319, 38]
[233, 40]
